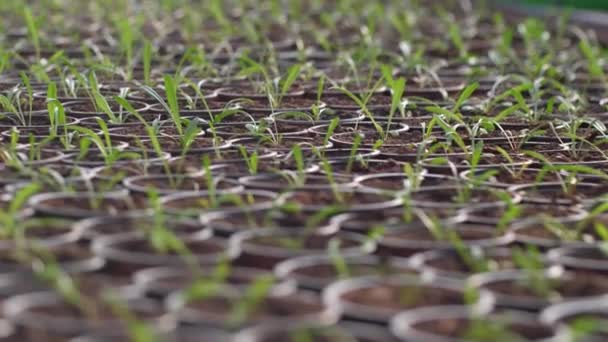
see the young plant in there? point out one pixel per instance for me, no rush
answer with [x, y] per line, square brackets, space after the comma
[337, 259]
[32, 30]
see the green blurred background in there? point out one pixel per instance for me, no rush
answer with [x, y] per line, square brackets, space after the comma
[581, 4]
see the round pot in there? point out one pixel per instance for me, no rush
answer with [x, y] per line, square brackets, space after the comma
[200, 146]
[459, 196]
[341, 154]
[451, 264]
[195, 204]
[325, 117]
[362, 126]
[452, 324]
[285, 181]
[398, 182]
[97, 227]
[265, 248]
[574, 312]
[341, 199]
[46, 316]
[8, 121]
[40, 158]
[407, 241]
[364, 222]
[456, 163]
[509, 177]
[217, 310]
[344, 331]
[160, 282]
[515, 288]
[95, 159]
[134, 251]
[285, 144]
[554, 193]
[580, 258]
[315, 272]
[527, 211]
[378, 299]
[84, 204]
[227, 224]
[366, 166]
[235, 130]
[86, 108]
[41, 232]
[546, 234]
[174, 184]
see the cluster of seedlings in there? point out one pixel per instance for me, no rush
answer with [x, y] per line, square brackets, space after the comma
[300, 171]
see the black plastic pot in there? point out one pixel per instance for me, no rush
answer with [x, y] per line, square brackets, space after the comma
[407, 241]
[341, 199]
[558, 193]
[45, 316]
[178, 184]
[452, 324]
[344, 331]
[160, 282]
[460, 196]
[551, 234]
[318, 271]
[449, 263]
[392, 219]
[84, 205]
[279, 308]
[396, 127]
[378, 299]
[594, 310]
[265, 248]
[97, 227]
[41, 232]
[399, 182]
[134, 251]
[580, 258]
[285, 181]
[528, 211]
[195, 204]
[515, 288]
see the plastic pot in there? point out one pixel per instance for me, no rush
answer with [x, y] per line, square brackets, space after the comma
[580, 258]
[378, 299]
[460, 196]
[342, 199]
[83, 205]
[452, 324]
[264, 248]
[528, 211]
[515, 288]
[195, 204]
[395, 128]
[449, 263]
[409, 240]
[178, 184]
[363, 223]
[134, 251]
[316, 272]
[282, 181]
[549, 234]
[160, 282]
[398, 182]
[593, 310]
[45, 316]
[557, 193]
[96, 227]
[217, 310]
[293, 331]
